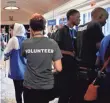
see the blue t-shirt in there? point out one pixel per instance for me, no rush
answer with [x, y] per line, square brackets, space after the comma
[104, 44]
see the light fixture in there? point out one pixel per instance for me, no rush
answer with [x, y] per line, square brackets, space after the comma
[11, 6]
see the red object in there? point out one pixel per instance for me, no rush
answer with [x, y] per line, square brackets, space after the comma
[92, 2]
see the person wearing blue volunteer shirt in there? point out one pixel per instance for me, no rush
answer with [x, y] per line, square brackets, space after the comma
[17, 62]
[102, 56]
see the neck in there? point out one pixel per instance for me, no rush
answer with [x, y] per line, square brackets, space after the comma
[38, 34]
[70, 24]
[97, 22]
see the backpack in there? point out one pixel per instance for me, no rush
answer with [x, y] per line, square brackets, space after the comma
[79, 44]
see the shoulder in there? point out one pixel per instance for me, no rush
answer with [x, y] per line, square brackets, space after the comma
[65, 27]
[94, 24]
[82, 27]
[26, 41]
[106, 39]
[52, 41]
[13, 39]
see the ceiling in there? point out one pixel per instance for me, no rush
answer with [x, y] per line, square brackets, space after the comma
[27, 8]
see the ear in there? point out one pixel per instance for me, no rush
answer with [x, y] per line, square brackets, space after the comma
[31, 32]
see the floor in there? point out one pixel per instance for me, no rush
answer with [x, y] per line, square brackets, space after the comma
[6, 88]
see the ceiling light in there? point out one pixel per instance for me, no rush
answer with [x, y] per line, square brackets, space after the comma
[11, 5]
[11, 8]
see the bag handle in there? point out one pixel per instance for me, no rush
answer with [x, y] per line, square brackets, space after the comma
[104, 66]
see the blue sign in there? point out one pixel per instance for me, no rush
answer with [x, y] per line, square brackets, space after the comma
[51, 22]
[63, 21]
[84, 18]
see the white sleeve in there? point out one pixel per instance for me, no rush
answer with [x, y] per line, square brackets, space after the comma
[12, 44]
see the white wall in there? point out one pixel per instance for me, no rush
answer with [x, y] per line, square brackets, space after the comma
[82, 5]
[61, 11]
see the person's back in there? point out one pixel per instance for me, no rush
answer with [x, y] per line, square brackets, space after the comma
[39, 62]
[87, 37]
[40, 52]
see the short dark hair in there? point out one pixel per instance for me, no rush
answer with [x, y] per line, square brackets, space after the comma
[37, 22]
[71, 12]
[99, 11]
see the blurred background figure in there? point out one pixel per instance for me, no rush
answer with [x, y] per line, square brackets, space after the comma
[17, 62]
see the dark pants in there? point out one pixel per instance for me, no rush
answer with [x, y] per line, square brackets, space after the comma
[104, 90]
[82, 86]
[18, 84]
[36, 96]
[67, 79]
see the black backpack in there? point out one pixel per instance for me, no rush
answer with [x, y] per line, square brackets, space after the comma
[79, 45]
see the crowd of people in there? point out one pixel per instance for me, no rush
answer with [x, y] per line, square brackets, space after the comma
[68, 50]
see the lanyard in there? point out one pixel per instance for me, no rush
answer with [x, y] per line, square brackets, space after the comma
[71, 32]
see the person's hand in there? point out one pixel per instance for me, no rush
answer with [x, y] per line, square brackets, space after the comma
[68, 53]
[101, 74]
[71, 54]
[54, 71]
[6, 58]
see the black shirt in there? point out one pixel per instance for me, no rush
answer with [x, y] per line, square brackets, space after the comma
[64, 39]
[87, 37]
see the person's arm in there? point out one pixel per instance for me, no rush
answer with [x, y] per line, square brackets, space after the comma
[57, 65]
[10, 46]
[57, 59]
[98, 35]
[23, 53]
[59, 39]
[68, 53]
[98, 45]
[97, 61]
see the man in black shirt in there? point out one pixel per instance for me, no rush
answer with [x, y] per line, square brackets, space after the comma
[88, 42]
[65, 38]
